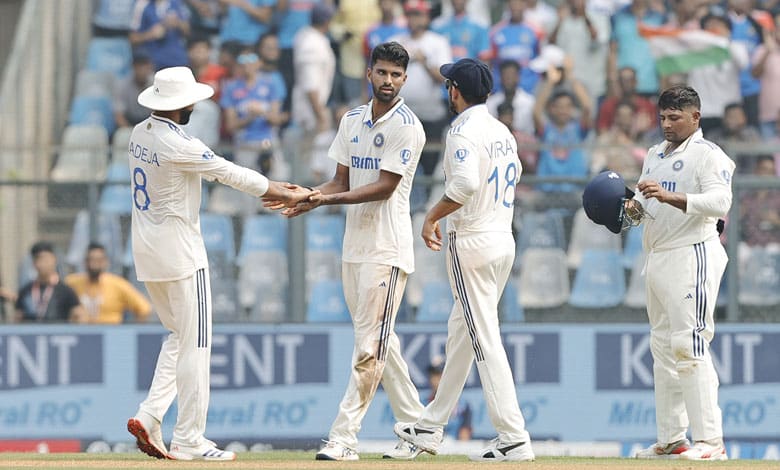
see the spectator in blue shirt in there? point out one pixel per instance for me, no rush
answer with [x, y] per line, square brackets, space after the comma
[390, 25]
[561, 133]
[246, 20]
[512, 39]
[746, 29]
[270, 53]
[467, 37]
[159, 29]
[628, 49]
[252, 105]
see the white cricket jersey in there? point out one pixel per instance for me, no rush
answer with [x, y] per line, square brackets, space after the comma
[481, 171]
[166, 167]
[702, 171]
[379, 231]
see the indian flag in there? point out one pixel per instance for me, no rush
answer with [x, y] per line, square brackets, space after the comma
[681, 50]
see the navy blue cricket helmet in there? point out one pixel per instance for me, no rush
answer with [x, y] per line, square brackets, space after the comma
[603, 200]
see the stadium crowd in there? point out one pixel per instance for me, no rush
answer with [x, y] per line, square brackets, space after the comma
[575, 80]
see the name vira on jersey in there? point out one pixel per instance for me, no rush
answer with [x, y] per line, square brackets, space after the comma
[501, 149]
[366, 163]
[142, 153]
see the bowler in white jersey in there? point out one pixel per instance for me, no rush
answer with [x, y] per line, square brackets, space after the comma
[377, 148]
[684, 188]
[167, 166]
[481, 169]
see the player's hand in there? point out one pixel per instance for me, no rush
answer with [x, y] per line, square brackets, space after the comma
[431, 234]
[288, 196]
[651, 189]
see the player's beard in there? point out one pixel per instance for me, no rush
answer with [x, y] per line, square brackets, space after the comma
[383, 97]
[184, 116]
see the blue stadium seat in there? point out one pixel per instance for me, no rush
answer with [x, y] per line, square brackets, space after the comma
[94, 83]
[262, 273]
[218, 236]
[84, 154]
[544, 278]
[759, 283]
[224, 301]
[120, 142]
[429, 265]
[327, 303]
[109, 234]
[93, 110]
[510, 309]
[263, 233]
[633, 246]
[436, 303]
[540, 230]
[117, 198]
[324, 232]
[110, 55]
[586, 235]
[114, 14]
[600, 281]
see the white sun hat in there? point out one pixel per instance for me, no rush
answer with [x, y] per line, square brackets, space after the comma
[174, 88]
[550, 56]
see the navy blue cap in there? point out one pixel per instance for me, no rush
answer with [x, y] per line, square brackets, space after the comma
[321, 13]
[470, 76]
[603, 200]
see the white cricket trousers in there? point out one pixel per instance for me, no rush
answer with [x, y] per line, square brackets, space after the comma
[183, 366]
[682, 288]
[373, 294]
[479, 265]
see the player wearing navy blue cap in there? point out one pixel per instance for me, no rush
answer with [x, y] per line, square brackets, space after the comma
[482, 168]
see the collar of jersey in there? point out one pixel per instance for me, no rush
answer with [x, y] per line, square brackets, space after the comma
[682, 147]
[476, 109]
[165, 120]
[367, 113]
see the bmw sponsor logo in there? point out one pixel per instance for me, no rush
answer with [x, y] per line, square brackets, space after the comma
[379, 140]
[461, 154]
[406, 155]
[677, 165]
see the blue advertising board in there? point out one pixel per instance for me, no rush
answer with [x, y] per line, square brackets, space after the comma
[574, 382]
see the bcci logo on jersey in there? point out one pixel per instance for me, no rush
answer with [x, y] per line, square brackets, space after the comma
[406, 155]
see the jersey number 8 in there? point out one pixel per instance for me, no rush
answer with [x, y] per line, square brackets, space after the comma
[139, 188]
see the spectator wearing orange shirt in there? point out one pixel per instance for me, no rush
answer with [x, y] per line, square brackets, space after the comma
[106, 296]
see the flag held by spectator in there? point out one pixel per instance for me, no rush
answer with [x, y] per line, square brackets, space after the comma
[681, 50]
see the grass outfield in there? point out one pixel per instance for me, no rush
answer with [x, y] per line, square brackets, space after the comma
[305, 460]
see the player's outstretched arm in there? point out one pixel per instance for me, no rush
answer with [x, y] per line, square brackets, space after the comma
[280, 195]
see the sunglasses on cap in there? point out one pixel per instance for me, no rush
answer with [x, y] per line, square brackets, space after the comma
[450, 83]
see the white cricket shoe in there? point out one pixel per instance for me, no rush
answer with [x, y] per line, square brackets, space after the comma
[336, 451]
[667, 451]
[703, 451]
[499, 451]
[206, 451]
[427, 439]
[148, 435]
[403, 450]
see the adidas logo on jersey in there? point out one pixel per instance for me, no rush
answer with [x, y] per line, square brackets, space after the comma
[354, 140]
[689, 296]
[383, 284]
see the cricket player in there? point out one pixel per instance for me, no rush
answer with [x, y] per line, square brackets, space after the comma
[167, 166]
[377, 148]
[482, 169]
[684, 188]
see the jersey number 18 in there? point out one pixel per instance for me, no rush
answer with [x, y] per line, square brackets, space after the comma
[510, 180]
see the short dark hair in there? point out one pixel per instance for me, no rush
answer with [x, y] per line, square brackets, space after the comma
[679, 97]
[197, 39]
[731, 106]
[268, 34]
[561, 94]
[713, 16]
[391, 52]
[231, 47]
[505, 107]
[95, 246]
[507, 64]
[41, 247]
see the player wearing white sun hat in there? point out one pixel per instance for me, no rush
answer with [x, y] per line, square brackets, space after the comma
[167, 166]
